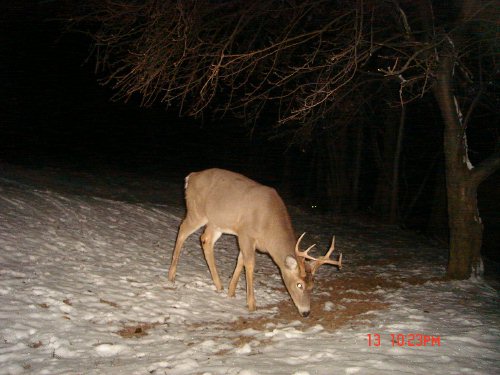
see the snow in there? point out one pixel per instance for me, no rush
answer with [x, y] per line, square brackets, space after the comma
[84, 289]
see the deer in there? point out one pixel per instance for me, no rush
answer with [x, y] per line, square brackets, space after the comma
[227, 202]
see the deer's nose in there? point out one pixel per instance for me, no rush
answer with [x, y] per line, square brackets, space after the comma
[305, 314]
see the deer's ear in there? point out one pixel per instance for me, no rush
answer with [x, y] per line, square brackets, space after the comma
[291, 263]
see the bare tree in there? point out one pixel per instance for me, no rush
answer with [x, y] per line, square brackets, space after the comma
[440, 59]
[232, 56]
[303, 62]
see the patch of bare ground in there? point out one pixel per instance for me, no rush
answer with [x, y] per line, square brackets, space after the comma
[137, 330]
[348, 301]
[332, 307]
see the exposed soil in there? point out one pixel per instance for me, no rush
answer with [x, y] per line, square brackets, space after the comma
[349, 301]
[137, 330]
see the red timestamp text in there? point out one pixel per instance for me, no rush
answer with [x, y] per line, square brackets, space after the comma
[409, 339]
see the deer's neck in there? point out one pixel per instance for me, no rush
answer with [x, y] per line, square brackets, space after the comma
[280, 245]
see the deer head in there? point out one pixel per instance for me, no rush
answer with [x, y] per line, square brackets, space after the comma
[298, 274]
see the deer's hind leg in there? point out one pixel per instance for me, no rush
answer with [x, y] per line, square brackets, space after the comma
[208, 239]
[188, 226]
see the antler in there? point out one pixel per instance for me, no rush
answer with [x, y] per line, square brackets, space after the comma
[303, 254]
[326, 259]
[317, 262]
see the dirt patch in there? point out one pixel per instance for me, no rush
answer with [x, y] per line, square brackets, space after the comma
[348, 301]
[331, 307]
[137, 330]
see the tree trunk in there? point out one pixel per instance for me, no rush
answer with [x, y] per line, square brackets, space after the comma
[394, 213]
[286, 177]
[438, 220]
[356, 173]
[466, 230]
[464, 222]
[385, 160]
[336, 178]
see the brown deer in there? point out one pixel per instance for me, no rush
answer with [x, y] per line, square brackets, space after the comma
[228, 202]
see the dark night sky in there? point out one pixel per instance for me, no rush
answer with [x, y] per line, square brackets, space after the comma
[56, 113]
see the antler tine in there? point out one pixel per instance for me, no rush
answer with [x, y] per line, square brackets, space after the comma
[330, 250]
[298, 242]
[303, 254]
[326, 259]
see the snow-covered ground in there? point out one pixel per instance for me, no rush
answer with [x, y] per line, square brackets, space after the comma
[83, 290]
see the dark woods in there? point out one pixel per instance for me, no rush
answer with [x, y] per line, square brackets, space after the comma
[380, 108]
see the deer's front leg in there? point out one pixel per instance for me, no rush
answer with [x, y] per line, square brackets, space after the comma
[236, 276]
[247, 248]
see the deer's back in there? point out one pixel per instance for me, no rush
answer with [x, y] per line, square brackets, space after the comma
[234, 202]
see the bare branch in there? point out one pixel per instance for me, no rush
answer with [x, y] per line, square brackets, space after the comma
[301, 59]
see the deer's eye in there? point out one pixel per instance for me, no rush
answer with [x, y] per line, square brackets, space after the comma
[300, 286]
